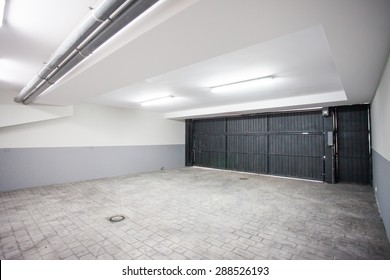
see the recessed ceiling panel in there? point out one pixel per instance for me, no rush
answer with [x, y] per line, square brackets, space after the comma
[301, 64]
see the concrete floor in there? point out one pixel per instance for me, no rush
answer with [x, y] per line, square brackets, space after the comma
[192, 213]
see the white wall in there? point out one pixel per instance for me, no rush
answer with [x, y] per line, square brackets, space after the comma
[380, 113]
[12, 113]
[93, 125]
[380, 119]
[95, 142]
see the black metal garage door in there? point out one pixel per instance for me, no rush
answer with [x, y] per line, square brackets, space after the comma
[333, 145]
[289, 144]
[353, 149]
[210, 143]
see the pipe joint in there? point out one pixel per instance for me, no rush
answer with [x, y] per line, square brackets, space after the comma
[96, 18]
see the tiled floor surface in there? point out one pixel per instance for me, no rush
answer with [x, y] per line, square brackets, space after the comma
[192, 213]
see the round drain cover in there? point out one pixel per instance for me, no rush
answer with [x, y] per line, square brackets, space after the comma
[117, 218]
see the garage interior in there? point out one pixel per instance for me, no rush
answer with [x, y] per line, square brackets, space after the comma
[194, 129]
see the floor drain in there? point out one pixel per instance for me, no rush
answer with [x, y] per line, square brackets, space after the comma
[116, 218]
[243, 178]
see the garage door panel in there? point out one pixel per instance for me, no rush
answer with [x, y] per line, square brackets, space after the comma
[251, 144]
[352, 118]
[354, 170]
[210, 125]
[295, 166]
[247, 162]
[210, 142]
[303, 121]
[353, 153]
[247, 124]
[298, 144]
[353, 144]
[210, 159]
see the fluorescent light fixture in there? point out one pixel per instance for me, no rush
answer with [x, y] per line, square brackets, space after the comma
[157, 101]
[245, 85]
[2, 5]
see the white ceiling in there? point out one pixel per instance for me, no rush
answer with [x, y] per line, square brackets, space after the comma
[322, 53]
[31, 33]
[301, 63]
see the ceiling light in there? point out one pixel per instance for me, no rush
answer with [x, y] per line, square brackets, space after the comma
[2, 5]
[242, 85]
[157, 101]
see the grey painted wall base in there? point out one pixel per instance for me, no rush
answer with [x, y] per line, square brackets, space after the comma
[30, 167]
[381, 181]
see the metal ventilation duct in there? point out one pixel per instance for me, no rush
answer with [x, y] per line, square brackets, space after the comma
[82, 42]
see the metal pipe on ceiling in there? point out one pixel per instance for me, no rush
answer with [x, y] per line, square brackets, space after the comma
[97, 17]
[80, 44]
